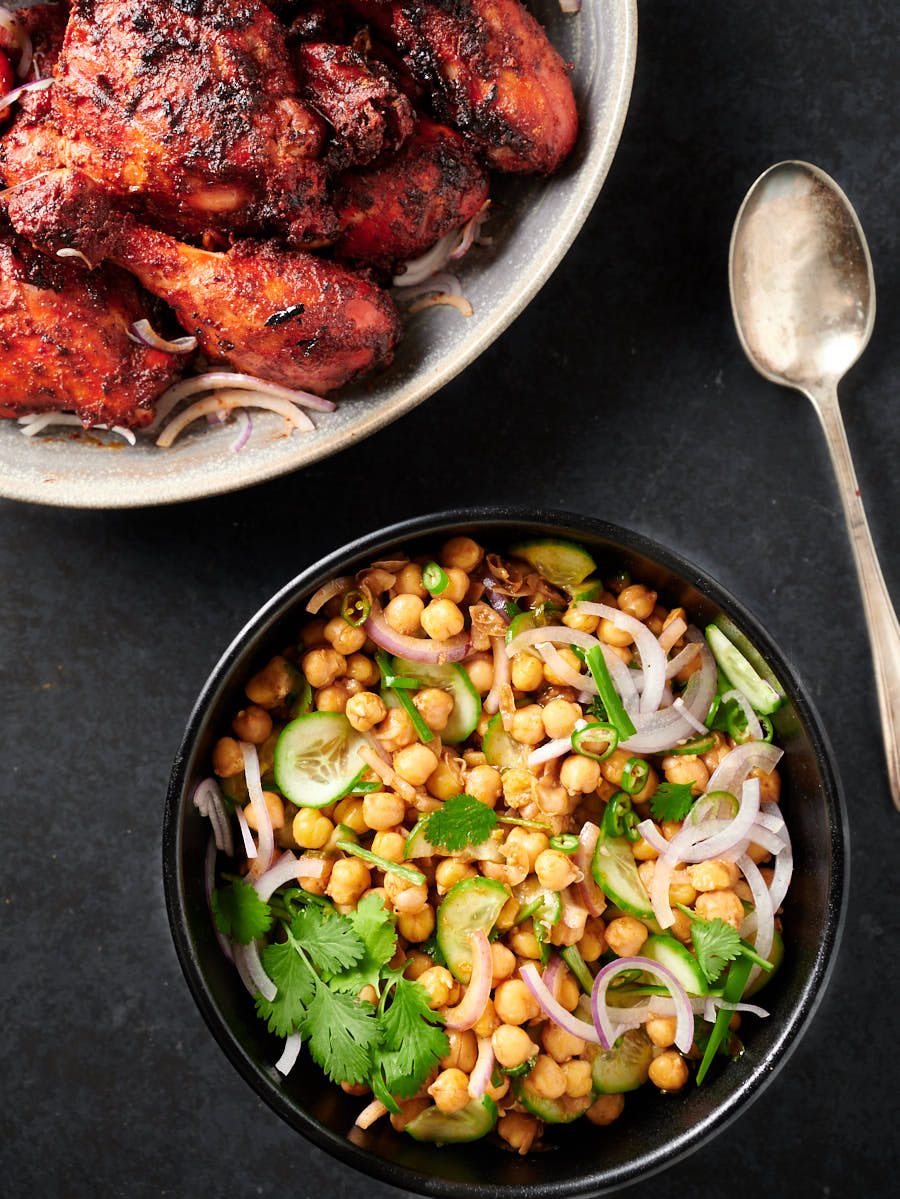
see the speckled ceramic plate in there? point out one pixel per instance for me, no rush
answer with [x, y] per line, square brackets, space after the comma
[539, 220]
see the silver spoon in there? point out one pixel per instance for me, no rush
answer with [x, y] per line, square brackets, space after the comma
[803, 298]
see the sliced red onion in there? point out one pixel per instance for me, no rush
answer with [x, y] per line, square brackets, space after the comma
[714, 1003]
[226, 401]
[765, 913]
[470, 1010]
[249, 843]
[284, 871]
[622, 677]
[552, 975]
[69, 252]
[502, 674]
[698, 843]
[662, 730]
[784, 863]
[480, 1078]
[441, 282]
[684, 1025]
[144, 334]
[370, 1113]
[379, 749]
[209, 881]
[553, 633]
[670, 634]
[209, 802]
[574, 914]
[659, 889]
[569, 675]
[243, 418]
[653, 660]
[460, 303]
[761, 836]
[264, 832]
[414, 649]
[554, 1010]
[697, 725]
[754, 729]
[735, 766]
[291, 1052]
[250, 967]
[770, 817]
[33, 423]
[212, 380]
[417, 270]
[553, 749]
[470, 231]
[570, 5]
[591, 895]
[26, 57]
[311, 867]
[328, 591]
[653, 836]
[673, 667]
[495, 598]
[36, 85]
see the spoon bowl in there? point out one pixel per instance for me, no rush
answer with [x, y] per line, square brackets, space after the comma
[803, 299]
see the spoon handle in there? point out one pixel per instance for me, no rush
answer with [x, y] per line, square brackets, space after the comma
[884, 632]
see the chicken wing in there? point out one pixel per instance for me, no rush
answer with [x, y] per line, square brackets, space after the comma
[490, 70]
[64, 340]
[399, 207]
[283, 315]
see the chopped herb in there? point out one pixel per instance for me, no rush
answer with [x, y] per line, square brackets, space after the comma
[240, 913]
[341, 1033]
[717, 943]
[374, 926]
[463, 820]
[671, 801]
[412, 1043]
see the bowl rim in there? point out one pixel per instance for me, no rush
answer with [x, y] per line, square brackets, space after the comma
[797, 1020]
[91, 491]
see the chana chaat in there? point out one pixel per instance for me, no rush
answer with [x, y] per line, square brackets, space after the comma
[498, 840]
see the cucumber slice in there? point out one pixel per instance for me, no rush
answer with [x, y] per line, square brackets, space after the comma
[563, 563]
[499, 748]
[474, 1120]
[615, 873]
[762, 695]
[776, 956]
[543, 906]
[417, 845]
[315, 758]
[472, 904]
[672, 954]
[625, 1067]
[589, 591]
[455, 681]
[519, 624]
[551, 1111]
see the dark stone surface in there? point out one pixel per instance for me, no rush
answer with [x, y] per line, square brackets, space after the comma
[621, 392]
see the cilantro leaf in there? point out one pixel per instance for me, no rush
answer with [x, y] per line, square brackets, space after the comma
[240, 913]
[411, 1043]
[374, 926]
[671, 801]
[715, 944]
[341, 1033]
[296, 983]
[463, 820]
[331, 941]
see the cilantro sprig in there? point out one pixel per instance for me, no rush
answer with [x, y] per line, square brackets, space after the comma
[463, 820]
[671, 801]
[717, 943]
[240, 913]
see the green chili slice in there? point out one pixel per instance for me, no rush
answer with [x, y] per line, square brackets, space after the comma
[423, 732]
[598, 730]
[355, 608]
[571, 955]
[615, 709]
[434, 579]
[373, 859]
[700, 745]
[565, 842]
[634, 776]
[617, 809]
[522, 823]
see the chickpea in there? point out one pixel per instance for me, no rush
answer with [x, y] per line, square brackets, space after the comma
[274, 806]
[362, 670]
[409, 581]
[364, 710]
[528, 725]
[350, 812]
[415, 763]
[404, 614]
[523, 941]
[593, 940]
[669, 1071]
[442, 619]
[602, 1111]
[503, 963]
[417, 927]
[332, 699]
[396, 730]
[253, 724]
[315, 884]
[682, 893]
[518, 786]
[416, 965]
[612, 635]
[714, 875]
[322, 666]
[272, 684]
[661, 1031]
[518, 1130]
[447, 778]
[570, 659]
[227, 759]
[547, 1078]
[457, 585]
[722, 904]
[463, 1051]
[527, 672]
[643, 851]
[383, 810]
[484, 783]
[461, 552]
[480, 670]
[354, 1088]
[625, 935]
[560, 1044]
[579, 774]
[312, 634]
[611, 769]
[349, 880]
[686, 768]
[488, 1020]
[434, 706]
[637, 601]
[713, 758]
[343, 637]
[514, 1003]
[681, 929]
[451, 871]
[583, 621]
[531, 841]
[409, 1109]
[578, 1079]
[508, 914]
[559, 717]
[769, 784]
[410, 900]
[389, 845]
[555, 870]
[512, 1046]
[450, 1090]
[438, 982]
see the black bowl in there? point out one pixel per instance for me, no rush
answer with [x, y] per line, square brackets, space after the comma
[654, 1130]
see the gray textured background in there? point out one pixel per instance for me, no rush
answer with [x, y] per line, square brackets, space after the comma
[621, 392]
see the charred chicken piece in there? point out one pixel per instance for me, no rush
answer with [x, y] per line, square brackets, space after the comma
[363, 105]
[64, 340]
[283, 315]
[315, 21]
[490, 70]
[190, 110]
[30, 143]
[399, 207]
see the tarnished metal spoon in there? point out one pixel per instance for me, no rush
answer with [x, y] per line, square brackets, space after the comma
[803, 297]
